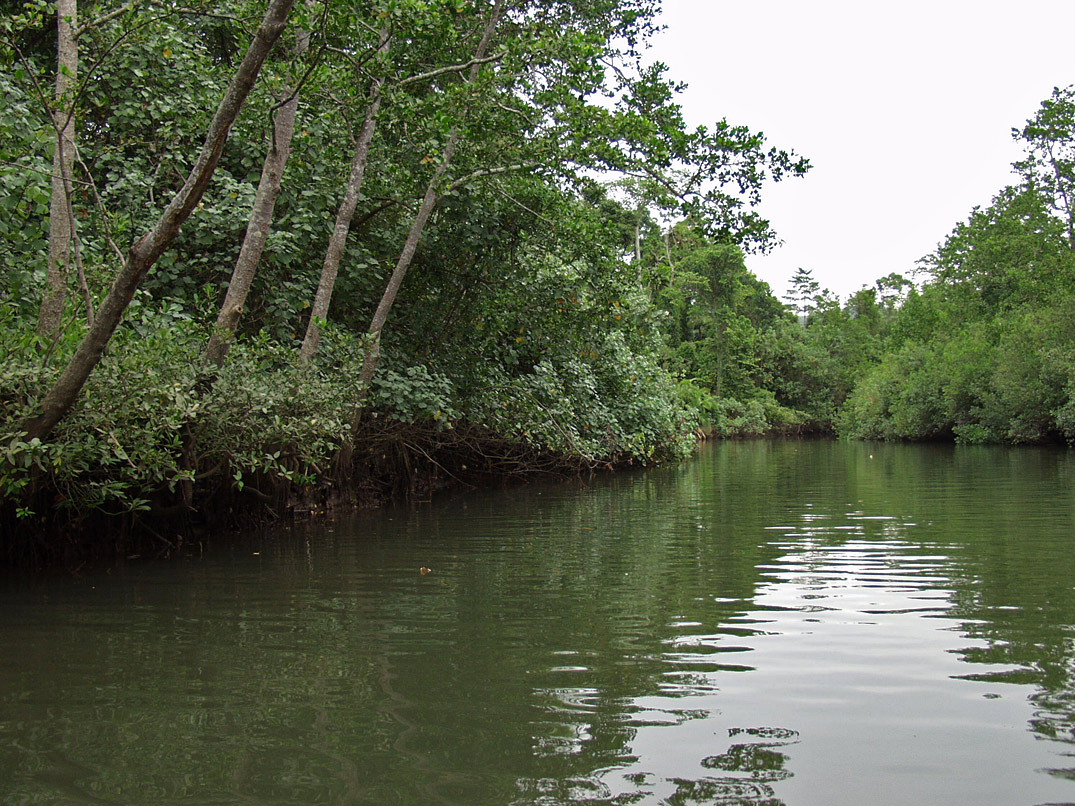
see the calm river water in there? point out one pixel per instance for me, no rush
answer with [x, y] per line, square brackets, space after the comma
[771, 623]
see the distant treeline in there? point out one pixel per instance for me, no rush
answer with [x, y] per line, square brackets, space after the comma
[984, 349]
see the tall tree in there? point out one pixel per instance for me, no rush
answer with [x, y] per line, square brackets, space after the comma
[1049, 138]
[147, 249]
[802, 293]
[338, 241]
[429, 200]
[61, 218]
[261, 215]
[892, 289]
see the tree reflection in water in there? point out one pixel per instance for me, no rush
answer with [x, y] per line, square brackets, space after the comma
[583, 645]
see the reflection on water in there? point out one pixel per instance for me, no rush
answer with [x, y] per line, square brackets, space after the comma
[772, 623]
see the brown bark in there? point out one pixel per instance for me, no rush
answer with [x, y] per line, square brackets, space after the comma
[63, 159]
[258, 226]
[334, 254]
[147, 249]
[380, 316]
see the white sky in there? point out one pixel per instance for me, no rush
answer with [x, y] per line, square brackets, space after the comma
[905, 110]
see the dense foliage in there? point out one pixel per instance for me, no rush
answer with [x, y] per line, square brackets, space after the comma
[535, 263]
[981, 349]
[984, 351]
[474, 154]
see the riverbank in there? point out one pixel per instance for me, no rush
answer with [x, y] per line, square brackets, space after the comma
[251, 449]
[160, 443]
[390, 462]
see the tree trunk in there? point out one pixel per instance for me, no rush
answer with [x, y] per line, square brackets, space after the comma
[380, 316]
[257, 228]
[63, 160]
[334, 254]
[1069, 213]
[373, 352]
[147, 249]
[638, 242]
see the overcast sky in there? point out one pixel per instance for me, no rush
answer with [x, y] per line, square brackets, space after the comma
[905, 110]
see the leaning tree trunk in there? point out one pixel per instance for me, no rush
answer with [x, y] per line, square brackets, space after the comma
[63, 160]
[257, 228]
[380, 316]
[406, 257]
[334, 254]
[147, 249]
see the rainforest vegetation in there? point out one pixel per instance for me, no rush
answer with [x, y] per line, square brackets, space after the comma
[264, 256]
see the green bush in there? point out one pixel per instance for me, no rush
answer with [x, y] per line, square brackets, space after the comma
[900, 398]
[617, 405]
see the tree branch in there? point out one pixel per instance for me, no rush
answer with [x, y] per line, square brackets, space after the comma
[454, 68]
[101, 209]
[106, 18]
[532, 212]
[463, 180]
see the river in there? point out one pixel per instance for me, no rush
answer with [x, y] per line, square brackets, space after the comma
[770, 623]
